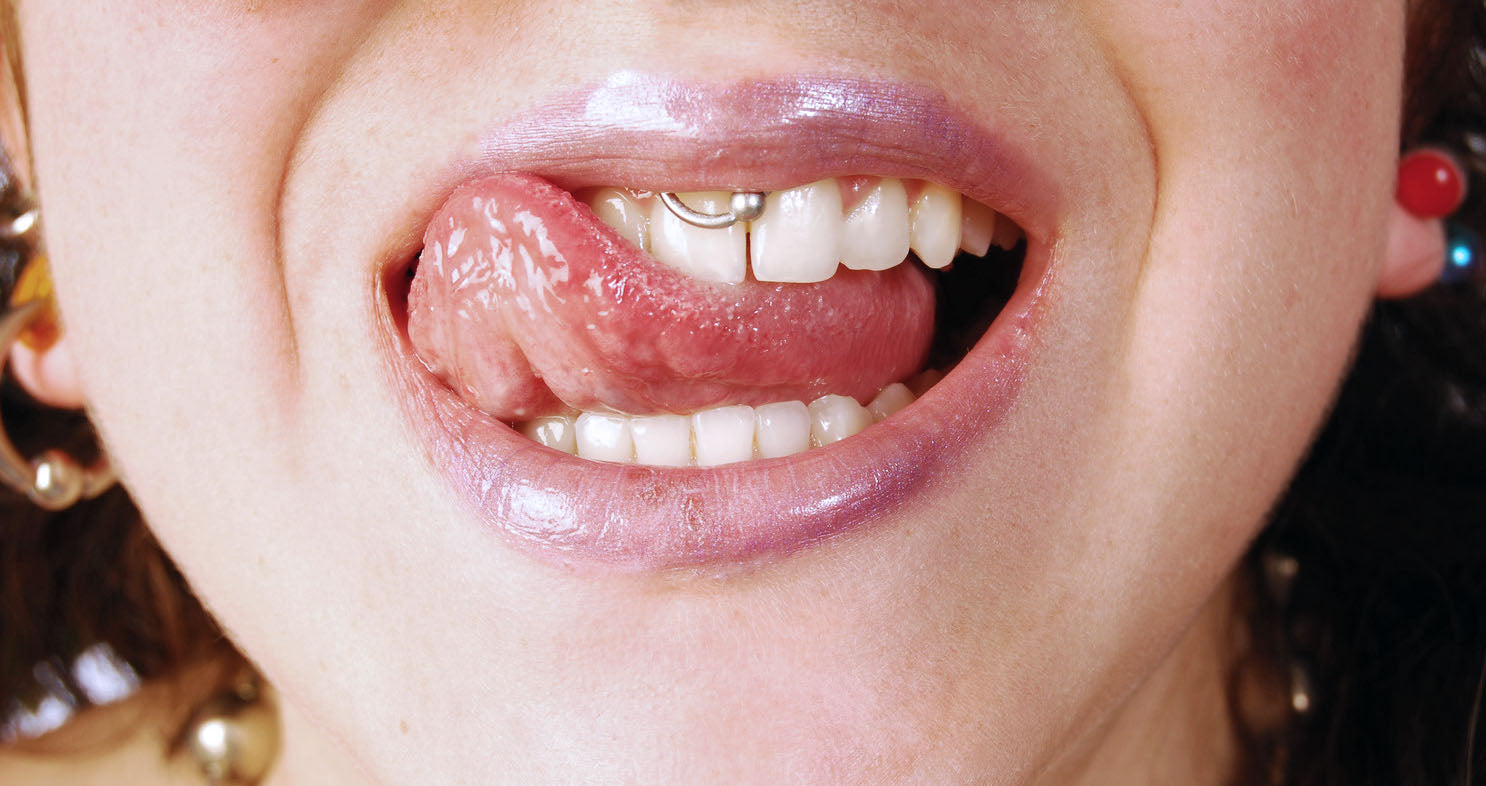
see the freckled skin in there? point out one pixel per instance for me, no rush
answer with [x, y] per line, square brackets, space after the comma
[524, 301]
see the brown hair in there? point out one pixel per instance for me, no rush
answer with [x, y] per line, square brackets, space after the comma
[92, 574]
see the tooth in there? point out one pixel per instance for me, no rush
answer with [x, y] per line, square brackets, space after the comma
[834, 418]
[934, 225]
[662, 440]
[977, 227]
[710, 254]
[782, 429]
[620, 209]
[723, 435]
[556, 432]
[875, 233]
[892, 398]
[1007, 235]
[605, 437]
[798, 238]
[926, 379]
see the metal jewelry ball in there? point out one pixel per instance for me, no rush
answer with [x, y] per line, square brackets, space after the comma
[1462, 254]
[58, 480]
[235, 742]
[746, 205]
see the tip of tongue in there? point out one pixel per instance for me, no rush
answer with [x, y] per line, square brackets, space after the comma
[527, 304]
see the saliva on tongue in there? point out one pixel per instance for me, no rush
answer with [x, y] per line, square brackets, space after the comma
[526, 304]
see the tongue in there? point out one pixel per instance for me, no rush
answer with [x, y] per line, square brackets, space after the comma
[527, 304]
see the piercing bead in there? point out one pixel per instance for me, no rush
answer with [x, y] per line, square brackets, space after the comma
[1462, 254]
[59, 481]
[1430, 184]
[746, 205]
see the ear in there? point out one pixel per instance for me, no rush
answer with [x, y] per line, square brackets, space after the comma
[1415, 257]
[49, 375]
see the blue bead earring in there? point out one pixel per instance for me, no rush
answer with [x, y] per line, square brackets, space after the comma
[1462, 254]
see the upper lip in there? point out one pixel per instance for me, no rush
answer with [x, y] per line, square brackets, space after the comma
[654, 133]
[649, 132]
[657, 134]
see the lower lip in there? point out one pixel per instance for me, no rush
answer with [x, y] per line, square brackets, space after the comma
[631, 518]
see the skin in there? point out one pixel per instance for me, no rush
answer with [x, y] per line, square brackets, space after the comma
[221, 181]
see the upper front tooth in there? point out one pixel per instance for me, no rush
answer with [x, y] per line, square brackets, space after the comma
[934, 231]
[875, 233]
[797, 240]
[711, 254]
[977, 227]
[620, 209]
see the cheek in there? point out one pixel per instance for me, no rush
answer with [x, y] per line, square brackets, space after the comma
[1275, 136]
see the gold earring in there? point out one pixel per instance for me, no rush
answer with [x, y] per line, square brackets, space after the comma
[234, 737]
[54, 480]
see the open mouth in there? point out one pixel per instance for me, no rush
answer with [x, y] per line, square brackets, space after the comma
[610, 382]
[605, 324]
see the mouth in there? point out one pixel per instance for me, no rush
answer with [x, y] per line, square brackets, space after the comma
[608, 384]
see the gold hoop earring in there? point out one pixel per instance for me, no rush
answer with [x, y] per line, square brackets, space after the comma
[53, 480]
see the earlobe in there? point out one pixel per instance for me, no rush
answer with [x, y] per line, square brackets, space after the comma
[41, 357]
[1415, 255]
[1431, 187]
[49, 374]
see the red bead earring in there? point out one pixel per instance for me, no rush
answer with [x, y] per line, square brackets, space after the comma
[1430, 184]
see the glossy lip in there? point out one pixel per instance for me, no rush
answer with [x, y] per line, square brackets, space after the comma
[650, 132]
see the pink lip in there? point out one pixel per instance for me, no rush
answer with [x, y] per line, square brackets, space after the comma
[648, 132]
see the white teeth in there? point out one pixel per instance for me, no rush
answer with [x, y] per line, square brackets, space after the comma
[977, 227]
[620, 209]
[605, 437]
[782, 429]
[720, 435]
[709, 254]
[797, 240]
[874, 235]
[934, 225]
[556, 432]
[834, 418]
[662, 440]
[723, 435]
[892, 398]
[802, 235]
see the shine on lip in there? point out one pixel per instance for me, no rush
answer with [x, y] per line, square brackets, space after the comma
[649, 132]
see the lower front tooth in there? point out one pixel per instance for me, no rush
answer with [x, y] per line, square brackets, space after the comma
[893, 398]
[662, 440]
[934, 225]
[556, 432]
[834, 418]
[723, 435]
[605, 437]
[782, 429]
